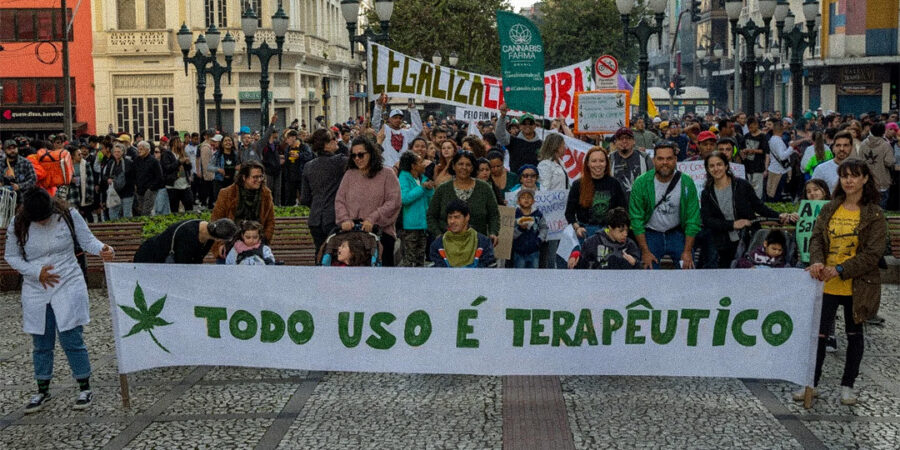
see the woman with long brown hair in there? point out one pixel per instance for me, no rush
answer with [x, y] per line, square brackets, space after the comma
[847, 241]
[41, 244]
[442, 171]
[592, 195]
[178, 185]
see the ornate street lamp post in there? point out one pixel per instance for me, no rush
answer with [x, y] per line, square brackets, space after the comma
[204, 55]
[751, 32]
[642, 32]
[265, 53]
[350, 10]
[796, 41]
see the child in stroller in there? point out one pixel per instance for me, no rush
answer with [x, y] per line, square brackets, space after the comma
[354, 248]
[760, 249]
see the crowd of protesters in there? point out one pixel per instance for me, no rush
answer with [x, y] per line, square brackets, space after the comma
[431, 191]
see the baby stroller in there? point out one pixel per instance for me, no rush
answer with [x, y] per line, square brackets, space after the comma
[753, 236]
[371, 241]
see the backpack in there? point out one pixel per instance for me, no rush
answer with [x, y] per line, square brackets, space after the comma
[52, 168]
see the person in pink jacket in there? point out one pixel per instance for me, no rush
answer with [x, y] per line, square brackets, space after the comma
[370, 193]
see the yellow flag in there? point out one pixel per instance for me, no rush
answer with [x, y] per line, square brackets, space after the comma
[636, 99]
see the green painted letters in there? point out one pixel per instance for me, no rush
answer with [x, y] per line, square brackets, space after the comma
[234, 324]
[213, 316]
[694, 316]
[782, 319]
[305, 319]
[463, 329]
[271, 327]
[417, 319]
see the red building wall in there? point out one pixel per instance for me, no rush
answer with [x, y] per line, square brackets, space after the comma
[23, 59]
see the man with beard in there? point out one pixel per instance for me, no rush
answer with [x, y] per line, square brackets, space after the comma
[18, 172]
[665, 211]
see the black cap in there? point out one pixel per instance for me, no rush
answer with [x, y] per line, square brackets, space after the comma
[37, 203]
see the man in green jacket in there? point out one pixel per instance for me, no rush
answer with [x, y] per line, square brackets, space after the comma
[665, 211]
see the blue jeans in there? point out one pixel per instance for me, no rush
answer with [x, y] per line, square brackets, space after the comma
[70, 341]
[662, 244]
[161, 205]
[123, 210]
[530, 261]
[884, 199]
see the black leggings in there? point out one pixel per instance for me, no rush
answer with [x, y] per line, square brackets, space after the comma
[182, 196]
[855, 341]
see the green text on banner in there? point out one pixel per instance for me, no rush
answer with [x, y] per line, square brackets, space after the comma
[521, 62]
[715, 323]
[808, 212]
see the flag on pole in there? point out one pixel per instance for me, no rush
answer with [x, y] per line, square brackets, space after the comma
[635, 96]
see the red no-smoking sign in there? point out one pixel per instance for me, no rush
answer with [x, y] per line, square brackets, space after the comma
[606, 67]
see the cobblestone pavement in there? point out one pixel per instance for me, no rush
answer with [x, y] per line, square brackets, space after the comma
[225, 407]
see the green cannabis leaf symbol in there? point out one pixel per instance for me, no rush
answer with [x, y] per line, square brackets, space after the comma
[147, 318]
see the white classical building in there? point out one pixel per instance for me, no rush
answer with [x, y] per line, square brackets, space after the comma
[140, 81]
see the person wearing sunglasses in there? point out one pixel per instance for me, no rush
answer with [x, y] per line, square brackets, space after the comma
[370, 193]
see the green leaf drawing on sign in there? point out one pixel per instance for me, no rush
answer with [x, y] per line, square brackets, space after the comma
[146, 318]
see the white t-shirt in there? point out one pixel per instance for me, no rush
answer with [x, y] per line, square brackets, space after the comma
[668, 214]
[777, 148]
[827, 172]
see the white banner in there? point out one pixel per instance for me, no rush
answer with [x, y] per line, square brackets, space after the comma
[697, 171]
[552, 204]
[403, 76]
[715, 323]
[474, 114]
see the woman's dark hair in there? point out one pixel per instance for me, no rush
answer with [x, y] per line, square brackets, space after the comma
[481, 161]
[476, 145]
[857, 167]
[460, 155]
[246, 167]
[407, 161]
[376, 161]
[618, 218]
[457, 205]
[319, 139]
[819, 145]
[33, 210]
[494, 154]
[223, 228]
[709, 179]
[821, 185]
[420, 138]
[776, 237]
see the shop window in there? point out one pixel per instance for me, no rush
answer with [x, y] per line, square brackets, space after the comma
[47, 91]
[10, 91]
[29, 92]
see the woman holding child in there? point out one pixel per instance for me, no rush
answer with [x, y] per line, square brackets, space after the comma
[847, 241]
[728, 205]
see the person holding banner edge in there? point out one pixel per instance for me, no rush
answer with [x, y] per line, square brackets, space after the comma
[847, 241]
[522, 148]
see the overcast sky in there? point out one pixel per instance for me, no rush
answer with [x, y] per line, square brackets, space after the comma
[516, 4]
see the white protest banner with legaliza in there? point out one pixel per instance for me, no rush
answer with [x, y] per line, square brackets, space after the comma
[552, 204]
[602, 111]
[697, 171]
[403, 76]
[713, 323]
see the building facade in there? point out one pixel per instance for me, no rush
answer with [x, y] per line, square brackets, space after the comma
[32, 89]
[140, 74]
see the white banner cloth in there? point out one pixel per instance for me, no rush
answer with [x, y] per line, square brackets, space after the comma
[715, 323]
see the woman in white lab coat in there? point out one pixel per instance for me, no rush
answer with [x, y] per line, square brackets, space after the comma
[40, 246]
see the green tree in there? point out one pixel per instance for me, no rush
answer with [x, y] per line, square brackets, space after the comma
[575, 30]
[467, 27]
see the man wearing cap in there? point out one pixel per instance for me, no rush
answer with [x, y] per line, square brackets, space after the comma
[18, 172]
[706, 143]
[627, 164]
[247, 149]
[643, 138]
[522, 148]
[396, 138]
[727, 129]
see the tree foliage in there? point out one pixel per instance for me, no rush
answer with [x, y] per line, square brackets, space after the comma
[467, 27]
[575, 30]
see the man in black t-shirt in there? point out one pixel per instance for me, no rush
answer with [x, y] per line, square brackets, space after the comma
[753, 155]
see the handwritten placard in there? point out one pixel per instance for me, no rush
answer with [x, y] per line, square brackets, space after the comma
[601, 112]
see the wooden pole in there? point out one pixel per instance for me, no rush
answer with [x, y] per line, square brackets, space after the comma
[808, 398]
[123, 385]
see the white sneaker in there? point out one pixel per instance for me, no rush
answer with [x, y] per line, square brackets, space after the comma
[848, 397]
[800, 394]
[84, 400]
